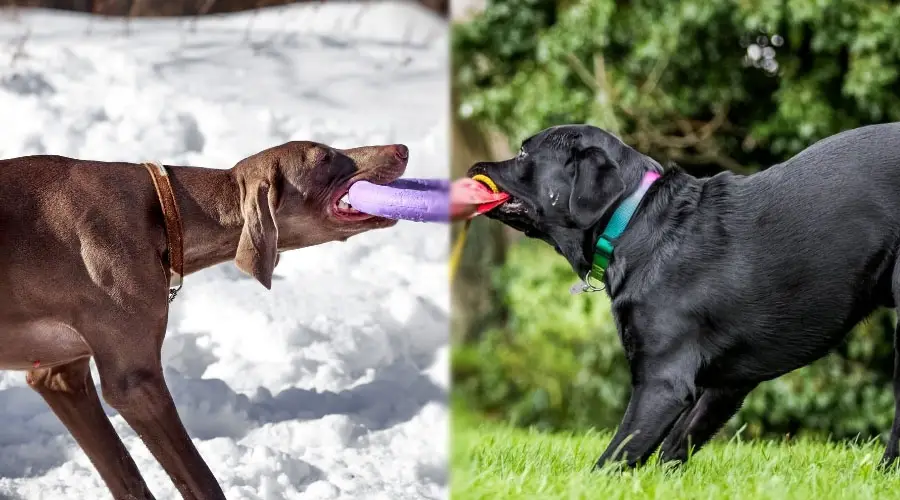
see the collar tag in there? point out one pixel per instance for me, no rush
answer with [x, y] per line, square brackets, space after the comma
[578, 288]
[592, 282]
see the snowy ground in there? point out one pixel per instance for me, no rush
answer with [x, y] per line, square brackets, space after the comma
[332, 385]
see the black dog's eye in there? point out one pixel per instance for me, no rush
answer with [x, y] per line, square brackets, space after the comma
[522, 154]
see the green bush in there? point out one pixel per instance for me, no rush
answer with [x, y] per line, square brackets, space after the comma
[711, 85]
[558, 364]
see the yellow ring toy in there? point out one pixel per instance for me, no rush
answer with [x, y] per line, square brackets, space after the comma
[486, 181]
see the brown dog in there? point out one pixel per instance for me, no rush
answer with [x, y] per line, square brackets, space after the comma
[84, 271]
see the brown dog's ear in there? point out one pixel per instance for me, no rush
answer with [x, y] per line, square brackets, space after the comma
[257, 251]
[596, 185]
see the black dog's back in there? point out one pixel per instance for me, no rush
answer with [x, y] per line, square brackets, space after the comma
[835, 205]
[805, 250]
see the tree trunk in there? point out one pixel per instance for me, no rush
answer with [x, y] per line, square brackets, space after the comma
[475, 301]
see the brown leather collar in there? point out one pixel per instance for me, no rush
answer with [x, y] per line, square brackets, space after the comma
[174, 230]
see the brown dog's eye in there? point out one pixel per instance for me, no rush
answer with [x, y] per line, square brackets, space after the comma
[324, 156]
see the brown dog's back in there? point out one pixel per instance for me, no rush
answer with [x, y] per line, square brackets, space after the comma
[79, 219]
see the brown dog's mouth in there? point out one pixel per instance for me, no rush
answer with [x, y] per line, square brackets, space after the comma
[342, 210]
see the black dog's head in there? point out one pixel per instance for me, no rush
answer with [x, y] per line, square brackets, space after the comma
[564, 185]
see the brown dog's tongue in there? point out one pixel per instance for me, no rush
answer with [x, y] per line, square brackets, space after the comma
[469, 198]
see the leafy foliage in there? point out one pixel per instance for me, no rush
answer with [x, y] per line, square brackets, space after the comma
[558, 363]
[709, 84]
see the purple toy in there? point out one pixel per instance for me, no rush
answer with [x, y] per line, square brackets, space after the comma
[419, 200]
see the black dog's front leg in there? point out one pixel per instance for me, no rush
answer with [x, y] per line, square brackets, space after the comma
[654, 407]
[699, 424]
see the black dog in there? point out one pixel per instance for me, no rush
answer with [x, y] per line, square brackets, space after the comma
[720, 283]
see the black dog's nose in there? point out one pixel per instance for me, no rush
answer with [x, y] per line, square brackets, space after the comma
[401, 151]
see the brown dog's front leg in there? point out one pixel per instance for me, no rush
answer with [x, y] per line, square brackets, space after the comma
[139, 393]
[69, 390]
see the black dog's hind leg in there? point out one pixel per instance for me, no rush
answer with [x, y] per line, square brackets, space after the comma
[656, 402]
[893, 447]
[892, 450]
[699, 424]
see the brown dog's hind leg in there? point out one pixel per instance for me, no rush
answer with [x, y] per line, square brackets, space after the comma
[137, 390]
[699, 424]
[69, 390]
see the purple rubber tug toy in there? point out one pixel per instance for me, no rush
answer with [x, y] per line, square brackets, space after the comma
[418, 200]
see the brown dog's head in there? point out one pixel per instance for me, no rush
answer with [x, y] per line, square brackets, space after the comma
[563, 186]
[291, 198]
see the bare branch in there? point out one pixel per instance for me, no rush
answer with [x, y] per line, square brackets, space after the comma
[655, 74]
[19, 47]
[705, 158]
[204, 9]
[583, 73]
[719, 119]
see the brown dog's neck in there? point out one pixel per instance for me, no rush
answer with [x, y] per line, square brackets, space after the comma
[209, 204]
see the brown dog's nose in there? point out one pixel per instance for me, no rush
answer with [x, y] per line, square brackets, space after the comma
[401, 151]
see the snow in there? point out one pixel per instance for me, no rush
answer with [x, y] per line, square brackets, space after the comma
[334, 383]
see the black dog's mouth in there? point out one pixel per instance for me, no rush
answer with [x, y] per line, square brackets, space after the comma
[512, 206]
[515, 212]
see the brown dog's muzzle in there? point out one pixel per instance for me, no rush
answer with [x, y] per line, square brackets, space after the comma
[379, 164]
[375, 164]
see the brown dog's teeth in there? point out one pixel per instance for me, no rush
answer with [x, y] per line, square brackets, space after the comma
[344, 202]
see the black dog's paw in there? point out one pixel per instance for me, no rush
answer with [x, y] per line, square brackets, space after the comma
[888, 462]
[673, 462]
[605, 466]
[613, 465]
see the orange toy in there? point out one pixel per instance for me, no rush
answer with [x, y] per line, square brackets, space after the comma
[469, 198]
[475, 196]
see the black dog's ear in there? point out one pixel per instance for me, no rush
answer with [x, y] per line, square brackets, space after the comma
[596, 185]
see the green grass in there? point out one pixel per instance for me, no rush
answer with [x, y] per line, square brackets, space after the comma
[493, 461]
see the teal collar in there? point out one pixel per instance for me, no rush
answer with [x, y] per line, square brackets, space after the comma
[603, 250]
